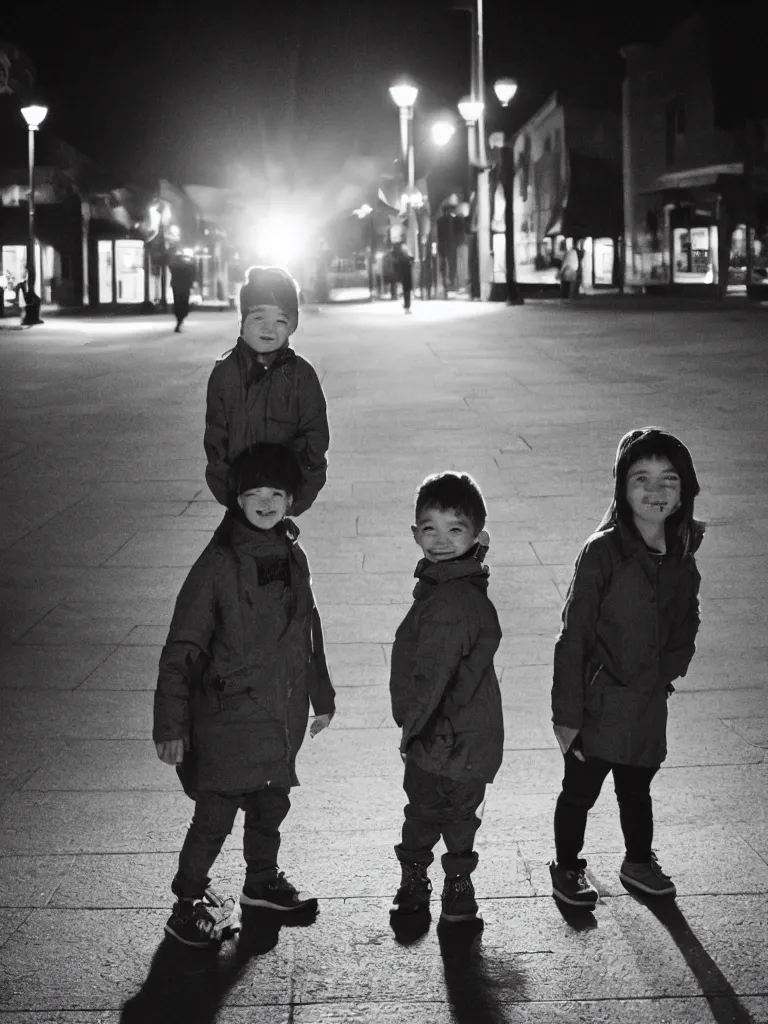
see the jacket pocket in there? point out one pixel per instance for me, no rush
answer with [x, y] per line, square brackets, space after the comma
[593, 697]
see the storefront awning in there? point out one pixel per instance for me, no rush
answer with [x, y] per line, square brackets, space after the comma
[591, 202]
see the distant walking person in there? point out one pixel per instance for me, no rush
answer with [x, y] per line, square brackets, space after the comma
[403, 270]
[629, 627]
[182, 279]
[569, 274]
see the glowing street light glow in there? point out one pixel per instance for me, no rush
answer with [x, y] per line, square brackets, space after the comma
[404, 94]
[443, 132]
[505, 89]
[281, 237]
[470, 110]
[363, 211]
[34, 116]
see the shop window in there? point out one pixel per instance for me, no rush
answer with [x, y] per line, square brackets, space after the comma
[129, 256]
[693, 261]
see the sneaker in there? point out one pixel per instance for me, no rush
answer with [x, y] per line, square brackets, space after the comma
[647, 877]
[570, 885]
[277, 894]
[459, 902]
[414, 892]
[201, 923]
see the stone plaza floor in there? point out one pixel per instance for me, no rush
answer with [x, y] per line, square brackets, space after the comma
[104, 507]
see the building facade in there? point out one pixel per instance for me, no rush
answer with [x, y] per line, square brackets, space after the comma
[567, 191]
[694, 156]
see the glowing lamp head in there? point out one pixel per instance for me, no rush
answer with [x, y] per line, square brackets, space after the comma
[470, 110]
[442, 132]
[34, 116]
[404, 94]
[505, 89]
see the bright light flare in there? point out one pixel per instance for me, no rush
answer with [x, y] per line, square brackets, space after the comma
[442, 132]
[505, 89]
[281, 238]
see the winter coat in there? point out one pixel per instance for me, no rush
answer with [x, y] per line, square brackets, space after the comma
[248, 403]
[247, 610]
[629, 628]
[445, 694]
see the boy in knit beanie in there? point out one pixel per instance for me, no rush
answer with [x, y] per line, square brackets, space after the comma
[243, 662]
[263, 391]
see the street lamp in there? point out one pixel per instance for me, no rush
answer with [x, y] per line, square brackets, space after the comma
[505, 89]
[404, 94]
[471, 111]
[34, 116]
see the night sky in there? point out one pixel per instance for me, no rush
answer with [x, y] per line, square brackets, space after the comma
[185, 90]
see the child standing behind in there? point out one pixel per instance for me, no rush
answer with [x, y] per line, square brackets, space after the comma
[263, 391]
[629, 625]
[243, 660]
[446, 697]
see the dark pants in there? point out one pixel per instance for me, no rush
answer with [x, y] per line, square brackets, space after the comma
[440, 806]
[407, 289]
[265, 809]
[180, 306]
[582, 783]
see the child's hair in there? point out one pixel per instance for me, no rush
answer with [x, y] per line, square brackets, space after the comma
[452, 492]
[267, 465]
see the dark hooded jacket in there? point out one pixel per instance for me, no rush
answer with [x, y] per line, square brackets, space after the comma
[445, 694]
[248, 402]
[630, 620]
[243, 659]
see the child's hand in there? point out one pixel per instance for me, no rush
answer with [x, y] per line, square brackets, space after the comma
[565, 737]
[172, 751]
[320, 722]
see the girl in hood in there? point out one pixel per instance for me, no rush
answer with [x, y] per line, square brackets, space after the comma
[629, 625]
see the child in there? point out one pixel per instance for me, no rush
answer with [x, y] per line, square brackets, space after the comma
[629, 625]
[263, 391]
[243, 659]
[445, 696]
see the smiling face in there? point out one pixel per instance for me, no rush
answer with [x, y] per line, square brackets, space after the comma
[264, 507]
[654, 490]
[443, 534]
[266, 329]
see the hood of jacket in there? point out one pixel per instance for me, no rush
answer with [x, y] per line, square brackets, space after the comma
[684, 532]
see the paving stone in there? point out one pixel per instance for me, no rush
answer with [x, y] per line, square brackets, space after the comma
[161, 548]
[44, 668]
[126, 668]
[79, 715]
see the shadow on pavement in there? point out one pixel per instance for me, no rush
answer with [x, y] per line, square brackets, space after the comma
[723, 1002]
[472, 992]
[578, 918]
[409, 928]
[188, 986]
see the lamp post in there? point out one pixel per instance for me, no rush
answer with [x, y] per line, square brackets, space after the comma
[505, 89]
[471, 111]
[34, 116]
[404, 95]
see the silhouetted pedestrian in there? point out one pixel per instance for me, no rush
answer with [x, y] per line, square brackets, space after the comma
[182, 278]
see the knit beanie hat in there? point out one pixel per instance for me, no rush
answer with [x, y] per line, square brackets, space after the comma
[270, 286]
[267, 465]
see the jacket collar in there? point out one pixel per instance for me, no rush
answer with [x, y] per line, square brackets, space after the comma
[236, 532]
[432, 574]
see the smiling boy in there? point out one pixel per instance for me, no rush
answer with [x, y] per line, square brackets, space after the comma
[263, 391]
[446, 697]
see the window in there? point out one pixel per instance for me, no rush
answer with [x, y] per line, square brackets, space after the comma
[675, 127]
